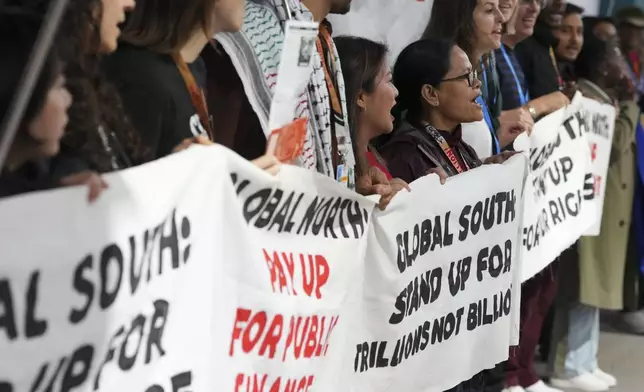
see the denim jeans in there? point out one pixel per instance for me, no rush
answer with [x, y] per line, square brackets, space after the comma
[583, 340]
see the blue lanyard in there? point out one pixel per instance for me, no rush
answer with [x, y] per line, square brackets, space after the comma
[490, 125]
[523, 96]
[487, 87]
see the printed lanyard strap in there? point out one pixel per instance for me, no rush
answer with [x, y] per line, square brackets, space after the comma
[336, 107]
[488, 120]
[554, 64]
[487, 87]
[523, 96]
[333, 93]
[447, 150]
[196, 94]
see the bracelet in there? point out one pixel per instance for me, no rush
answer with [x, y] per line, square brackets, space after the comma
[532, 111]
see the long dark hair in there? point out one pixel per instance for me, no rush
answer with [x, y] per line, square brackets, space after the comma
[424, 62]
[18, 32]
[164, 26]
[362, 60]
[453, 20]
[96, 102]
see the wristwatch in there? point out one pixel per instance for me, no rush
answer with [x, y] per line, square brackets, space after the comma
[533, 112]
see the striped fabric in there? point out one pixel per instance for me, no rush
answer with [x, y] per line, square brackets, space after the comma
[255, 52]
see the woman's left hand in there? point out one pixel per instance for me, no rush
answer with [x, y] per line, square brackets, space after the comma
[95, 182]
[375, 182]
[500, 158]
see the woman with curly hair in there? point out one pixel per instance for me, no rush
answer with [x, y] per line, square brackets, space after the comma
[98, 133]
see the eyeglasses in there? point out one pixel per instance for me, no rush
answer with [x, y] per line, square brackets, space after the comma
[471, 77]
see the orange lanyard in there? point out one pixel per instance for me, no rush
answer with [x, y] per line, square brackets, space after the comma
[333, 94]
[197, 95]
[447, 150]
[554, 64]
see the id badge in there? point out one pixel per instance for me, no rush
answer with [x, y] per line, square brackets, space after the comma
[341, 175]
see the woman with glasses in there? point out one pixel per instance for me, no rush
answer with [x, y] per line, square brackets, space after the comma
[476, 26]
[438, 90]
[433, 101]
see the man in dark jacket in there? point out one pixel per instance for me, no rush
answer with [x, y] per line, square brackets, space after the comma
[538, 61]
[536, 54]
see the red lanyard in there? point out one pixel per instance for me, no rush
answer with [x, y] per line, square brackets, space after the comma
[333, 94]
[447, 150]
[196, 94]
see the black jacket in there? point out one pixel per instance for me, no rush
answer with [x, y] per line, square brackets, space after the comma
[30, 177]
[534, 55]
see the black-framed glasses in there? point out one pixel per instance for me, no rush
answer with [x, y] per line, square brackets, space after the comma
[471, 77]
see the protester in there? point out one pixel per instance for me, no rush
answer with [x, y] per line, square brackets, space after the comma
[438, 91]
[242, 85]
[371, 96]
[602, 27]
[536, 54]
[570, 38]
[514, 87]
[520, 370]
[27, 167]
[476, 26]
[45, 117]
[595, 281]
[630, 27]
[246, 85]
[98, 135]
[158, 71]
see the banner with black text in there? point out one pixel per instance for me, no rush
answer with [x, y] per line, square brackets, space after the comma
[559, 201]
[441, 282]
[116, 295]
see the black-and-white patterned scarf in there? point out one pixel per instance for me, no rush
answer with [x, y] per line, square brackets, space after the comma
[255, 52]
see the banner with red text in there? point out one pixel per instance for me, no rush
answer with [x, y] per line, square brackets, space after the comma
[441, 288]
[179, 279]
[295, 247]
[600, 125]
[559, 199]
[117, 295]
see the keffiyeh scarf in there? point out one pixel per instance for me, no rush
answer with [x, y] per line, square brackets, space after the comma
[255, 52]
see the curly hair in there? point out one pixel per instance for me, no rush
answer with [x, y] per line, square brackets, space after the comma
[96, 103]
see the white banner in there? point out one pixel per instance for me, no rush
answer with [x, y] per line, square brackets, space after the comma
[559, 201]
[117, 295]
[600, 121]
[441, 282]
[295, 245]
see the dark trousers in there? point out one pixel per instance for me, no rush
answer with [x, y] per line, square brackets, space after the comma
[537, 295]
[491, 380]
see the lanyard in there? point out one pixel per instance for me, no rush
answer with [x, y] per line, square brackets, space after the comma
[490, 125]
[554, 64]
[333, 94]
[487, 87]
[447, 150]
[196, 94]
[633, 62]
[523, 96]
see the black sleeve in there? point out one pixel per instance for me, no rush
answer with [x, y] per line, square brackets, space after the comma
[149, 114]
[522, 51]
[405, 162]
